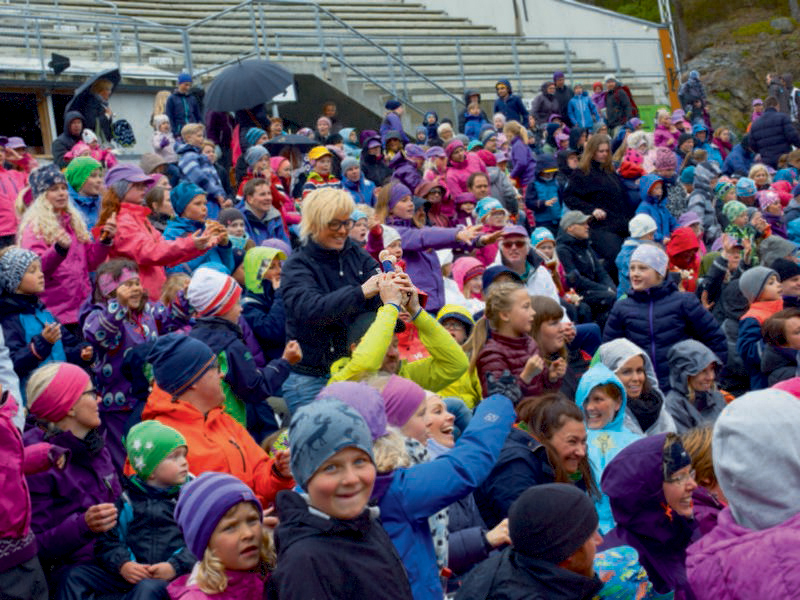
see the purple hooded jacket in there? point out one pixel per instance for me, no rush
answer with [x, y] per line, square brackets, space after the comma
[633, 482]
[736, 562]
[60, 497]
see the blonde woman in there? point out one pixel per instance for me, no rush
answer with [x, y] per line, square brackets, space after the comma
[96, 110]
[326, 284]
[54, 229]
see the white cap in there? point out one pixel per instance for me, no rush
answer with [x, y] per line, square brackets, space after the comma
[641, 225]
[445, 257]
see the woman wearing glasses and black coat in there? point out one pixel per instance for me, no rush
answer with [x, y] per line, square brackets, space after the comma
[326, 283]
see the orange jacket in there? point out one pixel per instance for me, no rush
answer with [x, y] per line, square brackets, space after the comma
[218, 443]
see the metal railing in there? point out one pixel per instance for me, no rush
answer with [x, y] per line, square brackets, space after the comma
[393, 64]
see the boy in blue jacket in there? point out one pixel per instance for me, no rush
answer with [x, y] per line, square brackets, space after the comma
[145, 550]
[191, 210]
[654, 203]
[215, 297]
[474, 121]
[508, 103]
[262, 220]
[581, 110]
[32, 334]
[541, 196]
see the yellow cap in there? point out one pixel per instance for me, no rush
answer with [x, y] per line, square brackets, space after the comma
[318, 152]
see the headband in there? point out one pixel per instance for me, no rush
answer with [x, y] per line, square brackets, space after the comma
[56, 400]
[108, 284]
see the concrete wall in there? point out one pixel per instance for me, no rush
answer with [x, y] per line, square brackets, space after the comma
[637, 44]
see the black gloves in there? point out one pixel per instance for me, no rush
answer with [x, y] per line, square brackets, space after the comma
[505, 385]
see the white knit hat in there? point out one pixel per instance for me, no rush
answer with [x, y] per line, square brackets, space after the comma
[390, 234]
[212, 293]
[641, 225]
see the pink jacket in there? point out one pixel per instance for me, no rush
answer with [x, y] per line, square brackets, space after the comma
[242, 585]
[15, 500]
[733, 562]
[458, 174]
[66, 278]
[11, 182]
[137, 240]
[664, 137]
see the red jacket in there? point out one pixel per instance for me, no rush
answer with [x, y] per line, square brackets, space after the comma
[682, 239]
[501, 353]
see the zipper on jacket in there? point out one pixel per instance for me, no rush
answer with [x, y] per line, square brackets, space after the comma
[239, 448]
[652, 336]
[341, 266]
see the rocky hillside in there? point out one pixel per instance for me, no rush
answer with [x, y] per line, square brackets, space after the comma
[733, 57]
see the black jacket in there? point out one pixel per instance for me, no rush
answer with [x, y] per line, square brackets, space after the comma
[146, 530]
[64, 142]
[322, 294]
[266, 316]
[17, 310]
[778, 364]
[510, 575]
[618, 107]
[374, 168]
[329, 558]
[599, 189]
[772, 135]
[564, 94]
[522, 463]
[582, 266]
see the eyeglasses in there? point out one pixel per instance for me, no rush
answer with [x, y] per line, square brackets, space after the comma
[92, 392]
[681, 479]
[336, 224]
[436, 191]
[515, 244]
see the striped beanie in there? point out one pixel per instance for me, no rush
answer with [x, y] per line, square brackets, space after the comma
[212, 293]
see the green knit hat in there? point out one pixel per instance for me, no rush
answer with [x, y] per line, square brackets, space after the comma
[79, 169]
[733, 209]
[148, 443]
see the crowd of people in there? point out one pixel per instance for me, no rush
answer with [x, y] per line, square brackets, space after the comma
[546, 352]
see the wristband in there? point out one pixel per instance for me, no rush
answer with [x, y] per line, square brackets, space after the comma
[397, 306]
[414, 318]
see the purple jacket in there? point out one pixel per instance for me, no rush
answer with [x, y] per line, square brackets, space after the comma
[523, 164]
[706, 509]
[113, 333]
[60, 498]
[66, 274]
[734, 562]
[392, 122]
[422, 264]
[408, 173]
[633, 482]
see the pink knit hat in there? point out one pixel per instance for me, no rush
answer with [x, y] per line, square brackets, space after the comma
[56, 400]
[401, 398]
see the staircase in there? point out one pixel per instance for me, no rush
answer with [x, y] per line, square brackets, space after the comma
[355, 46]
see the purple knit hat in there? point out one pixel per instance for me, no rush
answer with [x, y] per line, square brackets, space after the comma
[362, 397]
[434, 152]
[278, 244]
[652, 256]
[401, 399]
[202, 504]
[398, 192]
[452, 146]
[665, 159]
[689, 217]
[414, 151]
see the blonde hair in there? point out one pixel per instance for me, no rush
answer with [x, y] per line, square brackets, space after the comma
[513, 129]
[498, 300]
[192, 128]
[160, 104]
[174, 284]
[211, 576]
[662, 112]
[41, 216]
[320, 207]
[100, 85]
[757, 168]
[697, 442]
[207, 142]
[389, 451]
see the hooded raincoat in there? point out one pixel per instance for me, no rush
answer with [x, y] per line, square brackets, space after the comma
[686, 358]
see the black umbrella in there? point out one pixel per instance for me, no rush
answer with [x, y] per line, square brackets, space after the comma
[247, 84]
[291, 140]
[85, 89]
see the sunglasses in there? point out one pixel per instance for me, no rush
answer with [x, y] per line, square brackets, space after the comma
[515, 244]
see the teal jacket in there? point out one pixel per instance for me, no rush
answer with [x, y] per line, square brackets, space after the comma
[604, 444]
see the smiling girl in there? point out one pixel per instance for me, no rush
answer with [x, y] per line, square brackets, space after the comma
[54, 229]
[694, 399]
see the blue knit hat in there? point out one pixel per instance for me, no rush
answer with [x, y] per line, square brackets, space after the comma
[486, 206]
[182, 194]
[202, 504]
[13, 265]
[184, 78]
[255, 154]
[42, 178]
[687, 175]
[541, 234]
[179, 361]
[321, 429]
[745, 188]
[252, 135]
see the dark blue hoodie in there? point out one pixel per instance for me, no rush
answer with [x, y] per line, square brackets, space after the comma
[511, 106]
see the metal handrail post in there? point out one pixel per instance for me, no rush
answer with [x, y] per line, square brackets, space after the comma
[138, 44]
[568, 60]
[264, 38]
[254, 29]
[517, 70]
[41, 49]
[460, 64]
[320, 37]
[278, 49]
[187, 51]
[99, 43]
[115, 36]
[402, 70]
[391, 74]
[617, 68]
